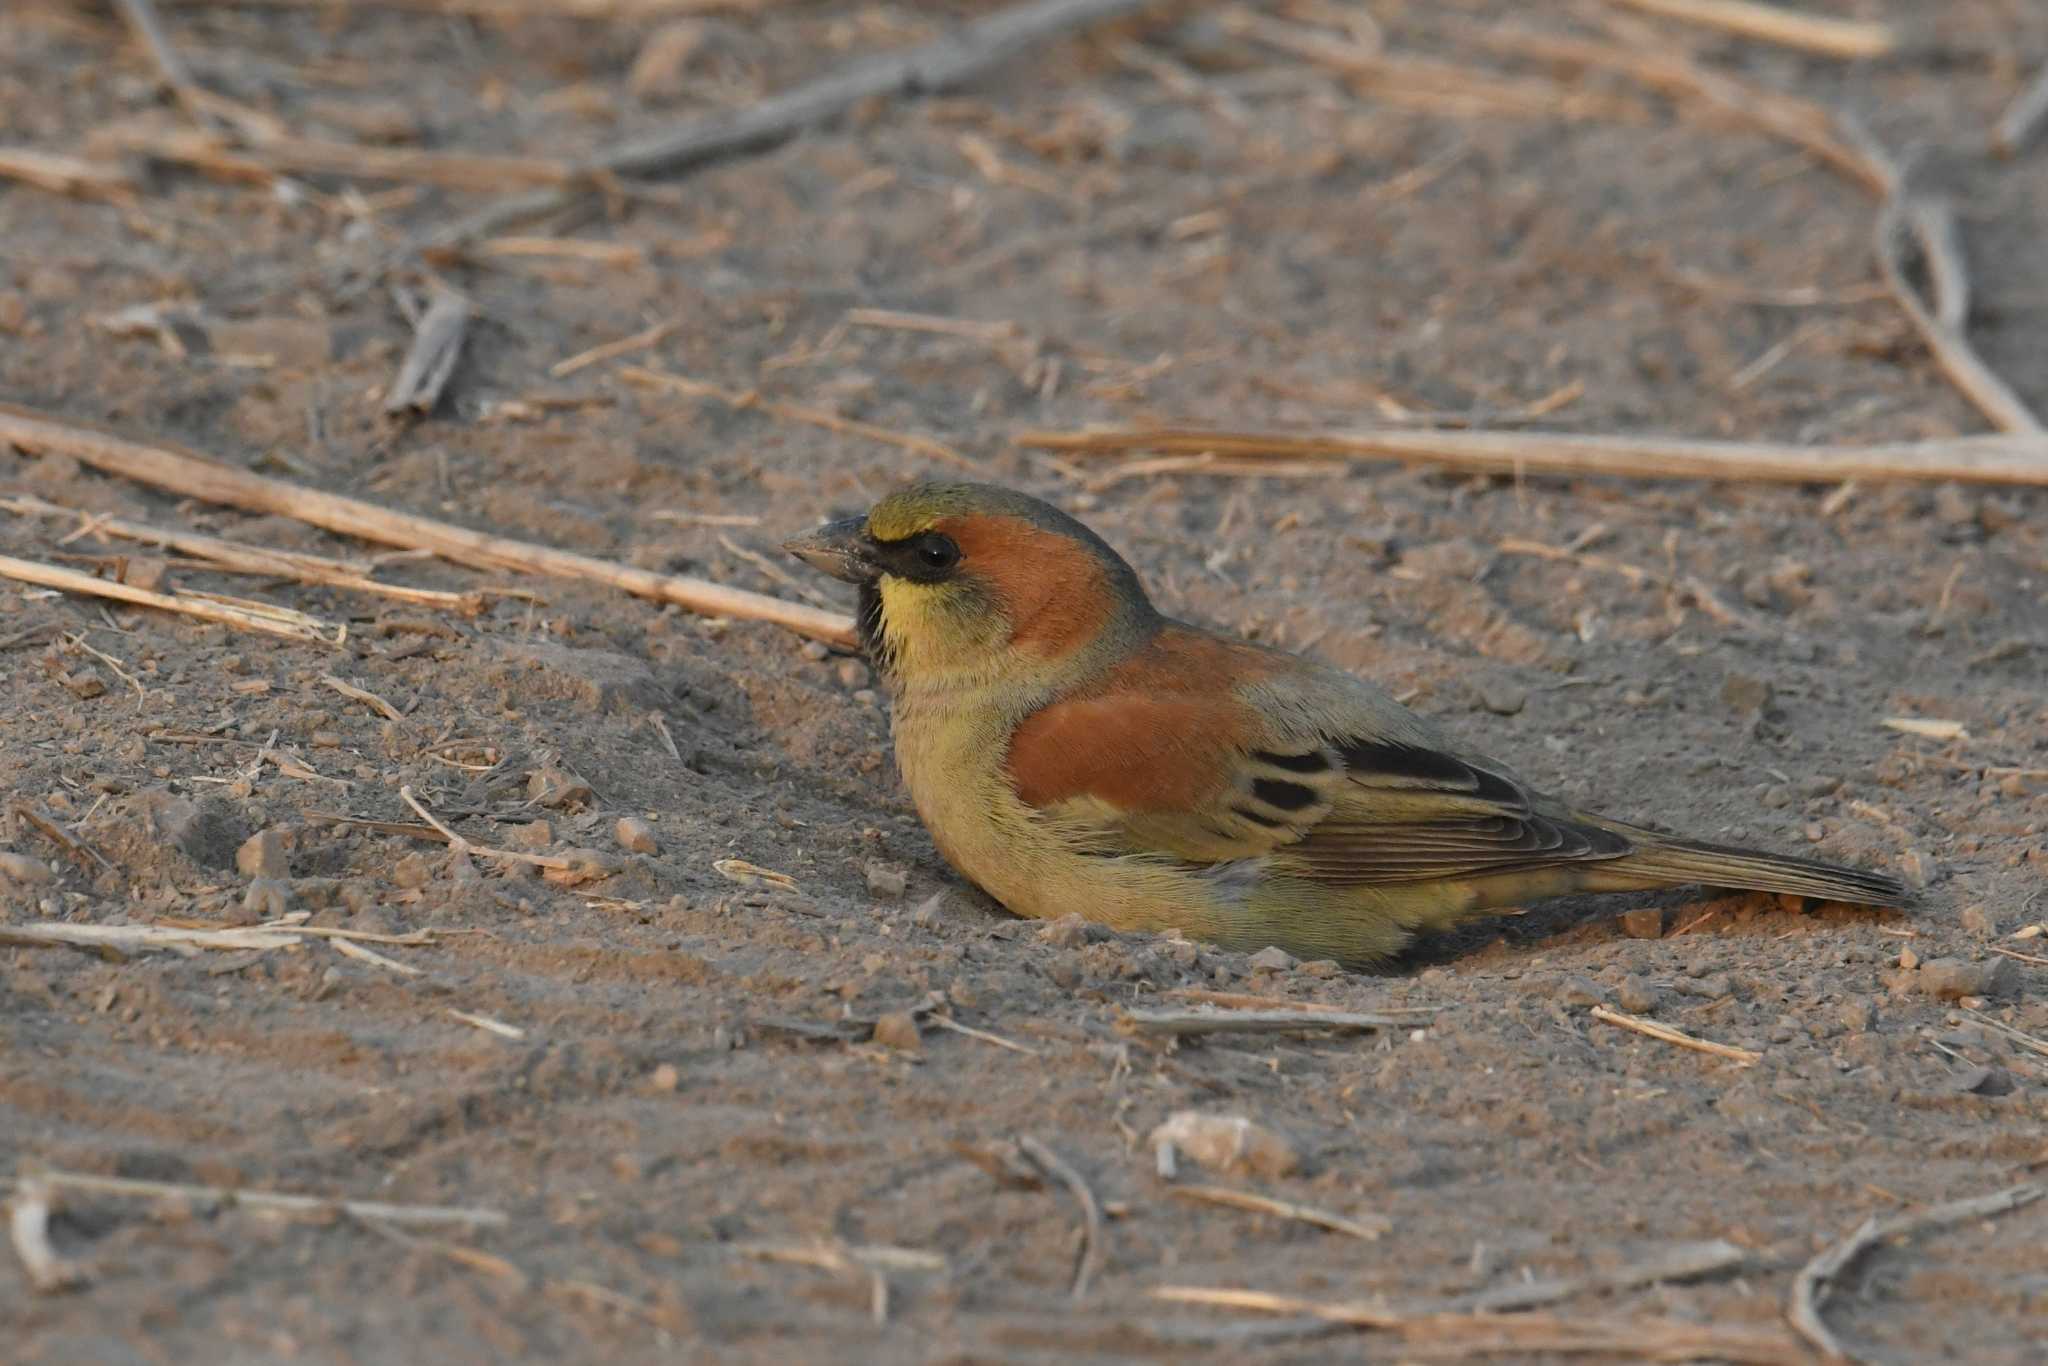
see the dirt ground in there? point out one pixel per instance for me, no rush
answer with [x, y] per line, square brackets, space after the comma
[1165, 222]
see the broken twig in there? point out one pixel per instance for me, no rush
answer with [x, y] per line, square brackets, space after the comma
[430, 361]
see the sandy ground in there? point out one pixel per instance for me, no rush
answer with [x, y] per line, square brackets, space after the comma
[694, 1088]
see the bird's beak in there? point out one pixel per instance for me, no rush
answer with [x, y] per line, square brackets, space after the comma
[840, 549]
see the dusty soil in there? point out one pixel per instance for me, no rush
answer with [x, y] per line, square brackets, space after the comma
[692, 1078]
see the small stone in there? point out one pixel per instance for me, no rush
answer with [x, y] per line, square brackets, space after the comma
[1819, 785]
[267, 898]
[84, 682]
[1777, 796]
[267, 854]
[1635, 994]
[1711, 987]
[19, 870]
[664, 1078]
[413, 870]
[1745, 694]
[1228, 1143]
[1855, 1016]
[852, 674]
[1908, 960]
[1273, 958]
[1978, 920]
[1071, 931]
[1501, 698]
[898, 1030]
[557, 788]
[1951, 979]
[1580, 991]
[635, 836]
[1643, 923]
[1916, 870]
[1319, 967]
[1983, 1081]
[532, 835]
[888, 881]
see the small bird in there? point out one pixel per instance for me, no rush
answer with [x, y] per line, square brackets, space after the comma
[1074, 751]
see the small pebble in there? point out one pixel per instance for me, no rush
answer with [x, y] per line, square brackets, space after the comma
[1983, 1081]
[1978, 920]
[898, 1030]
[1745, 694]
[413, 870]
[1503, 699]
[1579, 991]
[852, 674]
[1071, 931]
[1854, 1015]
[1643, 923]
[1635, 994]
[663, 1078]
[1951, 979]
[1273, 958]
[635, 836]
[887, 881]
[22, 871]
[532, 835]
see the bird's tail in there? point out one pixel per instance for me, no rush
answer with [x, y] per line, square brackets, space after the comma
[1662, 861]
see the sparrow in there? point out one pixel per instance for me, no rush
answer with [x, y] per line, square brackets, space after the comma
[1072, 750]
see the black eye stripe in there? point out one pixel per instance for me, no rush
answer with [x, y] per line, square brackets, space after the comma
[927, 557]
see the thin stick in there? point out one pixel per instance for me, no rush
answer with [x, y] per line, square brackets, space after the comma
[816, 417]
[1993, 459]
[1951, 349]
[430, 360]
[488, 1025]
[1933, 222]
[1680, 1262]
[228, 1198]
[948, 1022]
[1092, 1249]
[2023, 117]
[364, 696]
[519, 9]
[196, 476]
[261, 160]
[1186, 1023]
[624, 346]
[62, 174]
[949, 61]
[1368, 1229]
[1846, 38]
[362, 955]
[138, 937]
[1811, 1286]
[28, 1227]
[240, 558]
[1666, 1034]
[1524, 1335]
[240, 613]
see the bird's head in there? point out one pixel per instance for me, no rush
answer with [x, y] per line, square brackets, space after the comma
[971, 581]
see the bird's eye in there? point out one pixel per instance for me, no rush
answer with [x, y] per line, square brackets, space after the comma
[936, 552]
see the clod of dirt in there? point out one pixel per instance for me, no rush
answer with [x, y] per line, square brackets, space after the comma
[19, 870]
[635, 836]
[267, 898]
[1645, 922]
[557, 788]
[1502, 698]
[265, 854]
[1978, 920]
[1983, 1081]
[898, 1030]
[1273, 958]
[204, 831]
[1579, 991]
[1637, 995]
[1070, 932]
[1746, 695]
[887, 881]
[413, 870]
[1856, 1016]
[1226, 1143]
[1951, 979]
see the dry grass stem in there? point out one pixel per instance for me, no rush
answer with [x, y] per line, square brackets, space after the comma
[994, 333]
[520, 9]
[2000, 1027]
[487, 1024]
[234, 557]
[1845, 38]
[1369, 1228]
[1952, 351]
[1926, 727]
[1439, 87]
[816, 417]
[196, 476]
[1187, 1023]
[72, 175]
[262, 161]
[624, 346]
[430, 361]
[364, 696]
[1811, 1286]
[949, 1023]
[2023, 117]
[1516, 1335]
[1678, 1262]
[1992, 459]
[951, 60]
[1667, 1034]
[270, 1202]
[241, 613]
[1093, 1249]
[28, 1228]
[1245, 1000]
[348, 949]
[575, 248]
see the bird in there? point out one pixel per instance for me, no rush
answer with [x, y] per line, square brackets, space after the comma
[1072, 750]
